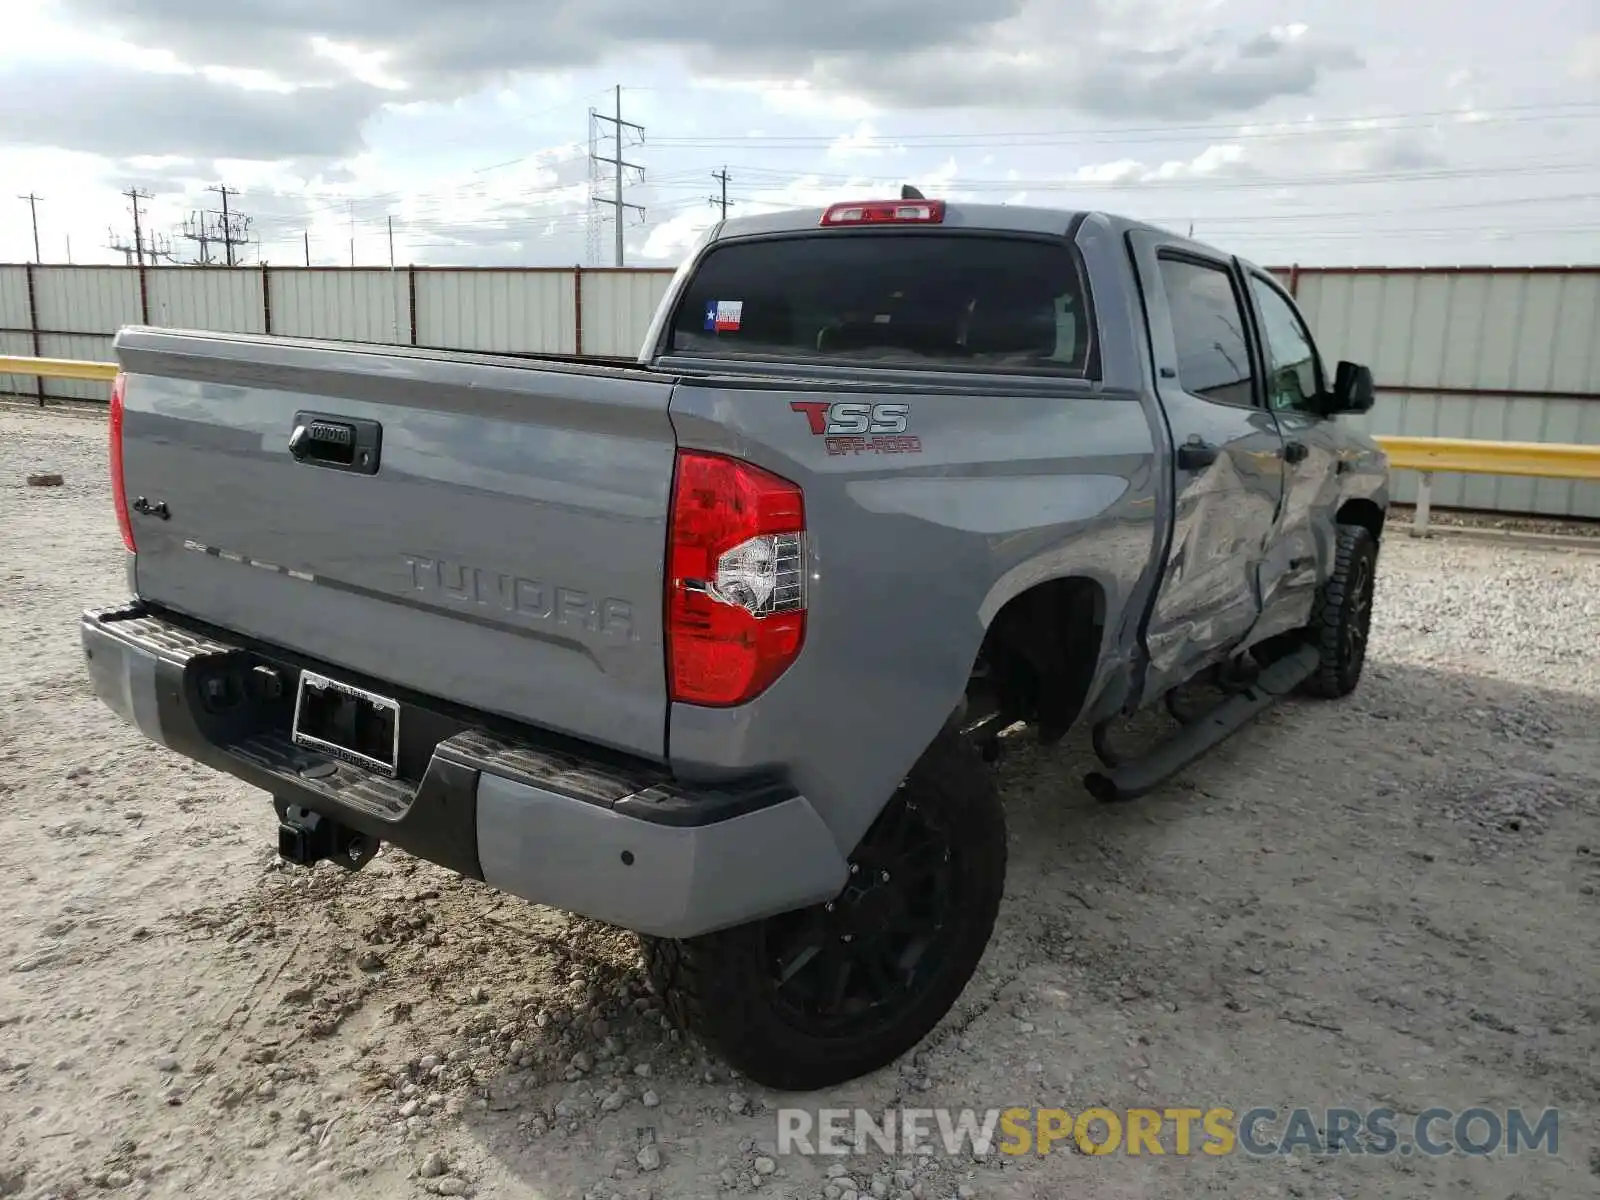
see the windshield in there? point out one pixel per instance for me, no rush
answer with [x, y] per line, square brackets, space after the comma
[918, 299]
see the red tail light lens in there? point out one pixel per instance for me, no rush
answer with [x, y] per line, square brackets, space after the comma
[736, 581]
[119, 490]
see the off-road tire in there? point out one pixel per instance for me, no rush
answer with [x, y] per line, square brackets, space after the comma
[1341, 615]
[722, 986]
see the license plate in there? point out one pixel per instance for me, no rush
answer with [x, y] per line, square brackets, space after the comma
[350, 723]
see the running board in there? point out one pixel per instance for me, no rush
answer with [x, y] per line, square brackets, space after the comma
[1189, 743]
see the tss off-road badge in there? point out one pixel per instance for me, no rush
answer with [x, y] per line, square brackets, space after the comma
[856, 427]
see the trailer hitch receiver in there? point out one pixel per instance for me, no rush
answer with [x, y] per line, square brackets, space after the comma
[305, 838]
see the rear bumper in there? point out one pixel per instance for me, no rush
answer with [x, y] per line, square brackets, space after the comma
[552, 822]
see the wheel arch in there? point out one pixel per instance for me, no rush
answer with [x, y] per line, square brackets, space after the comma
[1362, 511]
[1042, 652]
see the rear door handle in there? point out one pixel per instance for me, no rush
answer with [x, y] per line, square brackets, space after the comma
[1294, 452]
[1196, 455]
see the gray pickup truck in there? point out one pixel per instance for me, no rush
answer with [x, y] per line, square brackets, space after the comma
[715, 647]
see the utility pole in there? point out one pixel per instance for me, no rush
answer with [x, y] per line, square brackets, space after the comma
[391, 242]
[352, 205]
[69, 249]
[32, 202]
[135, 253]
[134, 196]
[722, 202]
[618, 166]
[306, 235]
[234, 228]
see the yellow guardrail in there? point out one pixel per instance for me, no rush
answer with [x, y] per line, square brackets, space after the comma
[1471, 456]
[1468, 456]
[58, 368]
[1427, 455]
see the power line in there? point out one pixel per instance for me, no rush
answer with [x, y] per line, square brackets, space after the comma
[1179, 182]
[1111, 193]
[514, 227]
[1305, 127]
[32, 202]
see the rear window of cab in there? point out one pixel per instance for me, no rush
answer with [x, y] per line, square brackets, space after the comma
[919, 299]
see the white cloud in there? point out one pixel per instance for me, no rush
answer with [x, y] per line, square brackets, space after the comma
[1586, 58]
[436, 116]
[365, 66]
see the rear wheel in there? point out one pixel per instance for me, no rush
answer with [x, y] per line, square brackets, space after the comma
[813, 998]
[1341, 616]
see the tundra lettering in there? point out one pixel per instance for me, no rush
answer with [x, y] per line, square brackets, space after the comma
[524, 597]
[759, 735]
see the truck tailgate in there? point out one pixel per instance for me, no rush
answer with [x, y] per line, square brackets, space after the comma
[502, 548]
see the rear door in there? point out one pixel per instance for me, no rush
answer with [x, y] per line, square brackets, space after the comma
[1228, 467]
[502, 547]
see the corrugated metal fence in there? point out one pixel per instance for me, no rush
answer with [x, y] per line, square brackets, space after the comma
[1509, 354]
[72, 312]
[1506, 354]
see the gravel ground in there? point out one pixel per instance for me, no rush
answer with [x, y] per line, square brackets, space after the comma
[1389, 900]
[1453, 518]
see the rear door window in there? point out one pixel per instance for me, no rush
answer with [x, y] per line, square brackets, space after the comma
[900, 299]
[1209, 331]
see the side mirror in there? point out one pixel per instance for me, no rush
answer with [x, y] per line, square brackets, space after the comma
[1353, 390]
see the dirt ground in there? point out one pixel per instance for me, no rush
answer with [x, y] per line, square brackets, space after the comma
[1389, 900]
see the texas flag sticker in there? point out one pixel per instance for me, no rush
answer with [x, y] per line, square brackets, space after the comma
[723, 315]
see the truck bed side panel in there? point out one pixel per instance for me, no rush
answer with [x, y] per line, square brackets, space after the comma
[914, 554]
[507, 555]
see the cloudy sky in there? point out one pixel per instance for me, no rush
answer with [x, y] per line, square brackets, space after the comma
[1323, 131]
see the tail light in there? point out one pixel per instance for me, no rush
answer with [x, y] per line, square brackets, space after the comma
[736, 583]
[119, 490]
[886, 212]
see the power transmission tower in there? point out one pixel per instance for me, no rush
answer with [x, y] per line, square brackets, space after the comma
[198, 228]
[618, 179]
[113, 242]
[32, 202]
[232, 229]
[721, 201]
[592, 224]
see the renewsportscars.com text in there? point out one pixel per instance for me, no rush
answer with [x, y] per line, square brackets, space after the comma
[1159, 1131]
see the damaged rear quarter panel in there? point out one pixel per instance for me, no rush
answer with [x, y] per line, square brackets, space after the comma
[912, 553]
